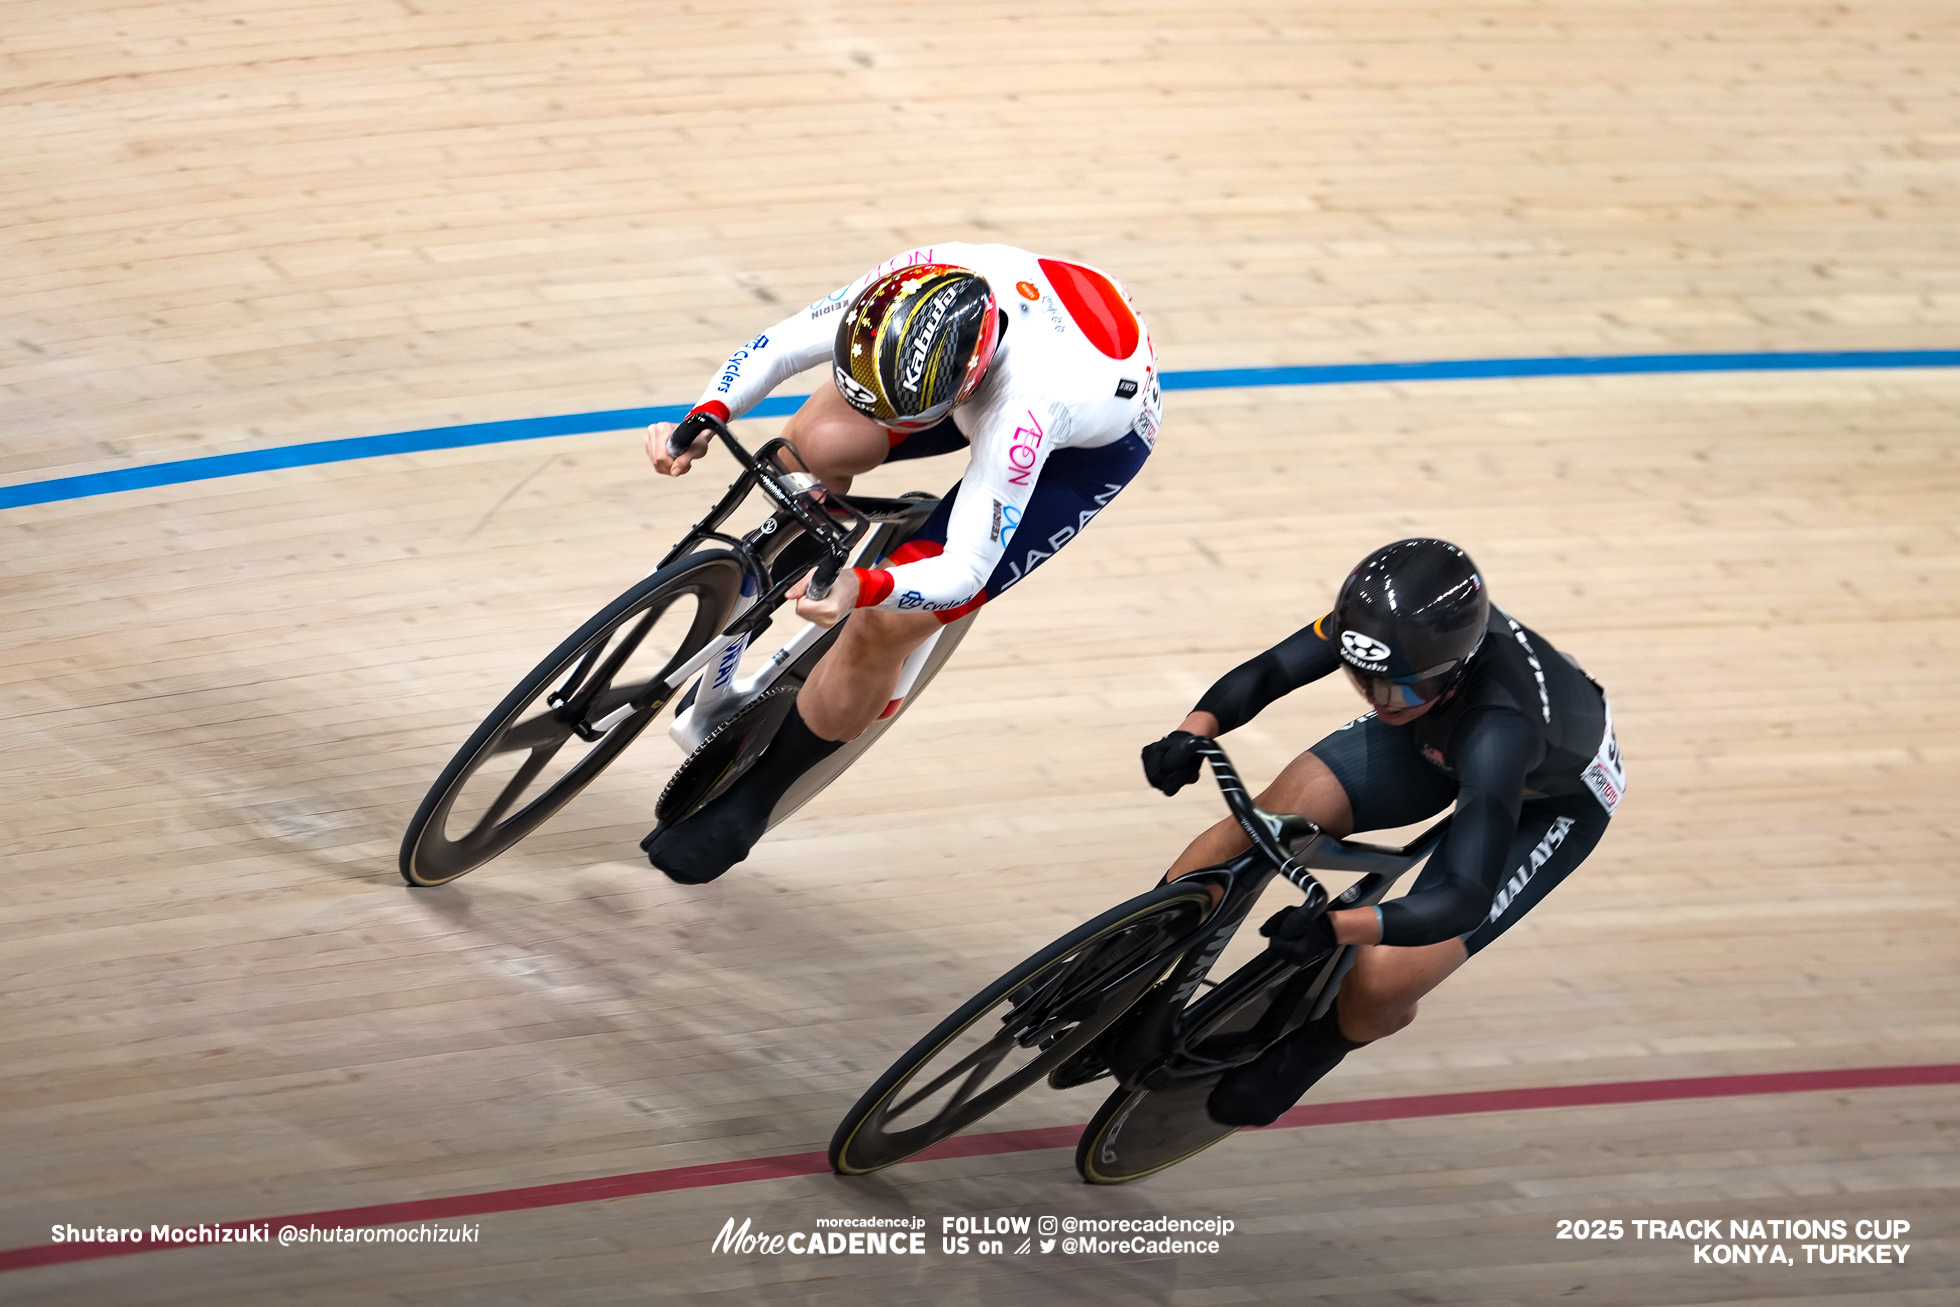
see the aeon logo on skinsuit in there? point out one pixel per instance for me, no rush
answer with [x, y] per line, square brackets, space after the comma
[1365, 651]
[1023, 448]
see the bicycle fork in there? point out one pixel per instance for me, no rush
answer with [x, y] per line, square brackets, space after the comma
[1153, 1046]
[1145, 1036]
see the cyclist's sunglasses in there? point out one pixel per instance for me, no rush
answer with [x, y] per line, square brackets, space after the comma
[1401, 691]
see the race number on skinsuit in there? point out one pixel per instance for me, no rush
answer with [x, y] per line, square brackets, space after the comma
[1606, 775]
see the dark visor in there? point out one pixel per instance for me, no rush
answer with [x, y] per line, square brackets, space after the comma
[1399, 692]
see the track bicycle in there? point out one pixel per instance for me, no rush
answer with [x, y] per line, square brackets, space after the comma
[678, 637]
[1114, 997]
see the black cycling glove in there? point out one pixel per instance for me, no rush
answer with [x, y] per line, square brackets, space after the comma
[1172, 762]
[1301, 937]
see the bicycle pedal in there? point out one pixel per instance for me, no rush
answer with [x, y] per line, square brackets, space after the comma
[1164, 1077]
[1079, 1068]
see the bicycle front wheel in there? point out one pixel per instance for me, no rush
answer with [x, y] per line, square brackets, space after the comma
[1013, 1032]
[575, 713]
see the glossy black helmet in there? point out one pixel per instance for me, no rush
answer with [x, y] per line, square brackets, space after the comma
[1409, 619]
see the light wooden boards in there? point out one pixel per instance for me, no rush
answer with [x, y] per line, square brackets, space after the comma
[227, 697]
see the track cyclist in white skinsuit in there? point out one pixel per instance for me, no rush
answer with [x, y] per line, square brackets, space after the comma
[1039, 368]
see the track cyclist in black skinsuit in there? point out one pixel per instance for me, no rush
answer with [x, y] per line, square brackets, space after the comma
[1468, 706]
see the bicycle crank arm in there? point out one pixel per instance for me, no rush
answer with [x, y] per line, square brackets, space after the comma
[1182, 1071]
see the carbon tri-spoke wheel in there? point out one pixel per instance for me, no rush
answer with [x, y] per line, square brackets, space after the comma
[575, 713]
[1012, 1033]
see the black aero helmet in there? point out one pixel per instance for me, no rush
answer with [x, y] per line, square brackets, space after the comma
[1410, 617]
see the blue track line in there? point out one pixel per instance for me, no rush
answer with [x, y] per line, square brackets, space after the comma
[490, 433]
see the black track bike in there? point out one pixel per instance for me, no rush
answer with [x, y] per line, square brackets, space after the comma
[1120, 996]
[678, 637]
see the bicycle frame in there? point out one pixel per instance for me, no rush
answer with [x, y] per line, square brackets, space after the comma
[1158, 1050]
[802, 508]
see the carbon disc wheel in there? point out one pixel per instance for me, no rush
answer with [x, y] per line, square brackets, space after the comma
[730, 750]
[1139, 1132]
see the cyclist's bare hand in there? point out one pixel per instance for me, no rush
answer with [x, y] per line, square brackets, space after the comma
[663, 462]
[832, 608]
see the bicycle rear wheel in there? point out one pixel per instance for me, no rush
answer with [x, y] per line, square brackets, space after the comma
[515, 770]
[812, 783]
[1138, 1132]
[1013, 1032]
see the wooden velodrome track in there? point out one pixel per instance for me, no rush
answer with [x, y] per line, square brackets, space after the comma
[237, 227]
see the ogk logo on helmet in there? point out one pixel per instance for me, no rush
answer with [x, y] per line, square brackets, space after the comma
[861, 396]
[1366, 650]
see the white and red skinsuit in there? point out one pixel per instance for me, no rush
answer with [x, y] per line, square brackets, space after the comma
[1074, 369]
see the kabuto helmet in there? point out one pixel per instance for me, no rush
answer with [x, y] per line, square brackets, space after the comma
[916, 342]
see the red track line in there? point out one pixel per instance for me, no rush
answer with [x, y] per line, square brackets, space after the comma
[785, 1165]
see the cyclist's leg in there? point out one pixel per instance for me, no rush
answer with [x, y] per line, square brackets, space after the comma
[1306, 786]
[853, 682]
[1383, 782]
[1379, 996]
[849, 686]
[1363, 776]
[836, 441]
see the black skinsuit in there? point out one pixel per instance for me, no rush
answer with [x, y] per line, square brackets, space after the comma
[1514, 746]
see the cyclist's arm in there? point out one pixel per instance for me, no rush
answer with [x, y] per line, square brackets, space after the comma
[1242, 693]
[799, 341]
[1498, 752]
[1011, 437]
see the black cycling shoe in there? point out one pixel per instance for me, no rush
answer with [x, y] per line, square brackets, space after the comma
[696, 849]
[1259, 1092]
